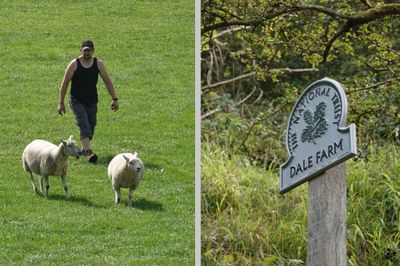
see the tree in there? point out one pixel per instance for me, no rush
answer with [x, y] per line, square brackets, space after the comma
[257, 56]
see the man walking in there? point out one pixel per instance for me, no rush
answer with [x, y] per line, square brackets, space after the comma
[83, 71]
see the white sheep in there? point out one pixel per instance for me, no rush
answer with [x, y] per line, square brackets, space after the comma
[125, 171]
[46, 159]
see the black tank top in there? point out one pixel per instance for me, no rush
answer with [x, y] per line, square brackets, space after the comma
[84, 81]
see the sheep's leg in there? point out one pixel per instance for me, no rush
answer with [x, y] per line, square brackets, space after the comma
[117, 195]
[130, 196]
[35, 190]
[46, 181]
[64, 182]
[41, 184]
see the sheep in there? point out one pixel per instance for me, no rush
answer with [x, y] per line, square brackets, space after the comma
[125, 170]
[46, 159]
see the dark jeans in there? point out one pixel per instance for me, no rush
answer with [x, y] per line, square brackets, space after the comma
[85, 116]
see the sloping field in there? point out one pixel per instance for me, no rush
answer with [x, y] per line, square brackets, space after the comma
[148, 50]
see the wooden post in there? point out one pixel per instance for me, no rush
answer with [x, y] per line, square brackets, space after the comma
[327, 218]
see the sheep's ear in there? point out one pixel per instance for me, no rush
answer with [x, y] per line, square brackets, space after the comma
[135, 155]
[70, 137]
[63, 141]
[126, 158]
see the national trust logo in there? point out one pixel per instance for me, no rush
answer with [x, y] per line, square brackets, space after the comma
[316, 124]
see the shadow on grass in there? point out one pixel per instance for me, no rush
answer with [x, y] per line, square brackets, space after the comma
[75, 199]
[146, 205]
[104, 160]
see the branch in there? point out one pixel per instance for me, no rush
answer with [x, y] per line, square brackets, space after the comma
[258, 98]
[228, 31]
[222, 33]
[245, 98]
[374, 14]
[211, 86]
[378, 69]
[209, 72]
[386, 48]
[374, 86]
[366, 2]
[327, 11]
[210, 113]
[226, 24]
[230, 108]
[294, 70]
[268, 16]
[344, 29]
[286, 69]
[349, 21]
[220, 8]
[261, 119]
[362, 18]
[243, 22]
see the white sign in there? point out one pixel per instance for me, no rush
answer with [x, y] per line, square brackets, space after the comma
[316, 137]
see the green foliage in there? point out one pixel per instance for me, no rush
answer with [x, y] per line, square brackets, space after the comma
[148, 50]
[366, 60]
[242, 217]
[245, 221]
[256, 137]
[374, 195]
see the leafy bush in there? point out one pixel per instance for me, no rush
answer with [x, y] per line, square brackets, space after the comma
[245, 221]
[267, 63]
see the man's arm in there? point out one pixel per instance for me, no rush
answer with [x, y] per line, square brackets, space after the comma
[69, 72]
[109, 85]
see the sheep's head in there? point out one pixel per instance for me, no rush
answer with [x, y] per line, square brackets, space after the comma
[134, 163]
[71, 148]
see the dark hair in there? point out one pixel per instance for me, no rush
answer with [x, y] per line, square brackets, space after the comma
[87, 43]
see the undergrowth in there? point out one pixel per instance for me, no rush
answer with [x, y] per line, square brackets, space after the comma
[245, 221]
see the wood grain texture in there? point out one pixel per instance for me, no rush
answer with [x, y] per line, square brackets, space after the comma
[327, 218]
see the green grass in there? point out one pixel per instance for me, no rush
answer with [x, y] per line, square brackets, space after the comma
[245, 221]
[148, 50]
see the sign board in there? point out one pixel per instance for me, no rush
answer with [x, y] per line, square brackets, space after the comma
[316, 138]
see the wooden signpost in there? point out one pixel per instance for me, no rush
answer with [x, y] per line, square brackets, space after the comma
[318, 145]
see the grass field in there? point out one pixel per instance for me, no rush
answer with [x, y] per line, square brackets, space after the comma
[148, 50]
[245, 221]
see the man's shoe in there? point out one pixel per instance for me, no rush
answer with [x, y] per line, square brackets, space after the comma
[92, 157]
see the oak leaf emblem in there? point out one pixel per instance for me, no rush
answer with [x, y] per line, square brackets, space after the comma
[316, 124]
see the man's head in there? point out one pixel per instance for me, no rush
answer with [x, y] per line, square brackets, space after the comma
[87, 48]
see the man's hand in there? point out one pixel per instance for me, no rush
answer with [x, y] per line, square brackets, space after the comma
[114, 105]
[61, 108]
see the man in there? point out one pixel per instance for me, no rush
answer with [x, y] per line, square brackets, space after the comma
[83, 71]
